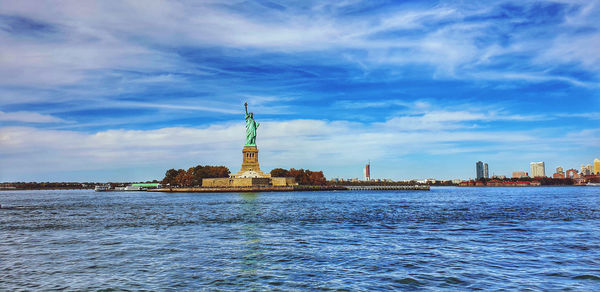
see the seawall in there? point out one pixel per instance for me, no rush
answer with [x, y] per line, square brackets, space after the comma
[286, 189]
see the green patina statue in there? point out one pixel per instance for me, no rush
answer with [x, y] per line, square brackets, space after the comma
[251, 126]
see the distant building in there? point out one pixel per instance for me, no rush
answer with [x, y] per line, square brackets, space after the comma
[519, 174]
[486, 173]
[538, 169]
[479, 170]
[559, 173]
[367, 171]
[596, 166]
[572, 173]
[587, 169]
[499, 176]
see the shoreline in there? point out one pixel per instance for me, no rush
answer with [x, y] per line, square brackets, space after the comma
[286, 189]
[272, 189]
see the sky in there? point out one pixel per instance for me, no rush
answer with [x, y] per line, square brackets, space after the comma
[124, 90]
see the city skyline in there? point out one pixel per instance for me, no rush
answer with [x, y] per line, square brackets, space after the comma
[96, 91]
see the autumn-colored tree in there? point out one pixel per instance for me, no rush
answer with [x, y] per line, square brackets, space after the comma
[194, 175]
[300, 175]
[185, 178]
[170, 177]
[317, 178]
[307, 177]
[279, 172]
[200, 172]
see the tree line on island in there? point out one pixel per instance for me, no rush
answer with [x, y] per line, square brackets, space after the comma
[302, 176]
[194, 175]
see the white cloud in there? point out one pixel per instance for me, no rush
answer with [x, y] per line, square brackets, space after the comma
[29, 117]
[590, 116]
[314, 144]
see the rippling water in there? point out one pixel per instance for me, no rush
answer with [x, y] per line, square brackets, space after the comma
[447, 238]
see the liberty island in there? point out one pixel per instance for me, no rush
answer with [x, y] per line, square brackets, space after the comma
[250, 178]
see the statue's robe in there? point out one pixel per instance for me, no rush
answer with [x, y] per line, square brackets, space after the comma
[251, 126]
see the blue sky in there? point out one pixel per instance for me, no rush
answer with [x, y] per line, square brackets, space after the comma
[123, 90]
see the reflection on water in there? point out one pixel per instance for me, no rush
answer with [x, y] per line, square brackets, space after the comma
[447, 238]
[250, 234]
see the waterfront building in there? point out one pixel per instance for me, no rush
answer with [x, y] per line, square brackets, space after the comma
[572, 173]
[486, 172]
[499, 183]
[596, 166]
[479, 170]
[587, 169]
[519, 174]
[538, 169]
[559, 173]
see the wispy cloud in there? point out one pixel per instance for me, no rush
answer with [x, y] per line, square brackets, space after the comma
[29, 117]
[449, 37]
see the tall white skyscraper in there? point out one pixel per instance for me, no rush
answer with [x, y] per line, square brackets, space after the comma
[486, 172]
[538, 169]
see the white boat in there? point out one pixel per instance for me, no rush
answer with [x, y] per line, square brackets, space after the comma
[129, 189]
[591, 184]
[102, 188]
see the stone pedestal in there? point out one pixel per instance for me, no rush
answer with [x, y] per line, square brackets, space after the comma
[250, 166]
[249, 176]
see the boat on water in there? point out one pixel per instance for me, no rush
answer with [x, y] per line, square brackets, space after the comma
[102, 188]
[591, 184]
[129, 188]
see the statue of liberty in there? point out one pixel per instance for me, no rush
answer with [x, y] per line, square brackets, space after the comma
[251, 126]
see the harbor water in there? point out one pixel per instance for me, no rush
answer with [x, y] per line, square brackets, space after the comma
[448, 238]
